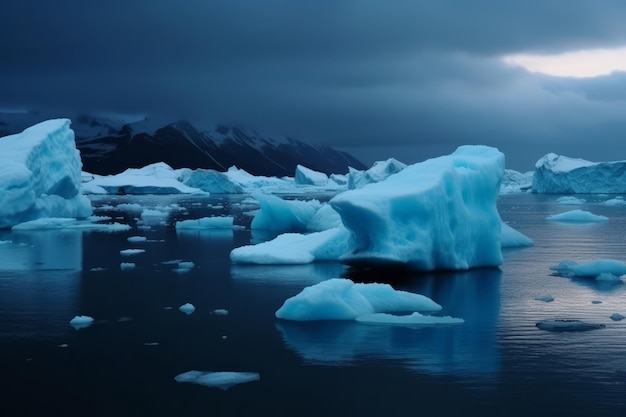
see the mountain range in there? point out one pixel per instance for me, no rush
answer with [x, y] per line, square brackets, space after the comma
[110, 144]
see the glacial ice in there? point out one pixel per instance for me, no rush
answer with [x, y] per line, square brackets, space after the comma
[80, 322]
[55, 223]
[516, 182]
[379, 171]
[591, 269]
[511, 238]
[577, 216]
[221, 380]
[306, 176]
[221, 222]
[557, 174]
[283, 215]
[130, 252]
[342, 299]
[210, 181]
[324, 218]
[438, 214]
[40, 175]
[187, 308]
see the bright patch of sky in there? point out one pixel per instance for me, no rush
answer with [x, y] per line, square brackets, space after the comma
[580, 64]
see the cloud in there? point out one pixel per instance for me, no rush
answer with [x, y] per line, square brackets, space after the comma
[420, 76]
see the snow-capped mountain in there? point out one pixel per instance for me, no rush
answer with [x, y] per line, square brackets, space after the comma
[111, 143]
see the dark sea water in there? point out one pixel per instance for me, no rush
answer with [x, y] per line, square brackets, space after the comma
[498, 363]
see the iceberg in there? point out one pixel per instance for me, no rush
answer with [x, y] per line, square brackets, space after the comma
[187, 308]
[511, 238]
[40, 175]
[557, 174]
[295, 248]
[324, 218]
[342, 299]
[570, 200]
[222, 222]
[577, 216]
[590, 269]
[438, 214]
[283, 215]
[221, 380]
[516, 182]
[306, 176]
[379, 171]
[80, 322]
[210, 181]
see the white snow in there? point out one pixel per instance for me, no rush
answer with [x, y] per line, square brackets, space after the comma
[187, 308]
[414, 319]
[306, 176]
[295, 248]
[438, 214]
[221, 380]
[342, 299]
[379, 171]
[40, 175]
[223, 222]
[593, 268]
[580, 216]
[558, 174]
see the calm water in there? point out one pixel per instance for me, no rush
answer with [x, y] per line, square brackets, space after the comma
[496, 363]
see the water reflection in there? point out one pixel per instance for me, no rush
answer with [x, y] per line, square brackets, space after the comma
[468, 350]
[44, 249]
[288, 275]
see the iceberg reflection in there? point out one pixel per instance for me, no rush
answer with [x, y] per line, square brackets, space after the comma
[467, 350]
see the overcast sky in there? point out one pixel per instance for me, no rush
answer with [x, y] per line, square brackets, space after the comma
[409, 79]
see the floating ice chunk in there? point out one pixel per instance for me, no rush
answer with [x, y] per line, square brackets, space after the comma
[129, 207]
[210, 181]
[187, 308]
[283, 215]
[558, 174]
[516, 182]
[510, 238]
[40, 175]
[172, 262]
[570, 200]
[221, 380]
[186, 264]
[80, 322]
[617, 201]
[567, 325]
[295, 248]
[220, 312]
[223, 222]
[407, 320]
[608, 277]
[97, 269]
[380, 171]
[617, 317]
[590, 269]
[130, 252]
[545, 298]
[137, 239]
[438, 214]
[306, 176]
[124, 266]
[342, 299]
[577, 216]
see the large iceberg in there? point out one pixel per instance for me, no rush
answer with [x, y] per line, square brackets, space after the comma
[40, 175]
[379, 171]
[557, 174]
[438, 214]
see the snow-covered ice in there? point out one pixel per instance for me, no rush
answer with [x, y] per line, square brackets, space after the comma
[590, 269]
[221, 222]
[187, 308]
[557, 174]
[577, 216]
[438, 214]
[306, 176]
[40, 175]
[342, 299]
[221, 380]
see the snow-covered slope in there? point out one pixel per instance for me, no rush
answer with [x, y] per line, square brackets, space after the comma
[557, 174]
[40, 174]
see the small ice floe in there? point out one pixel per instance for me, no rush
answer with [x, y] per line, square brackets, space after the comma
[184, 267]
[187, 308]
[151, 344]
[220, 312]
[545, 298]
[124, 266]
[100, 218]
[591, 269]
[137, 239]
[567, 325]
[617, 201]
[130, 252]
[97, 269]
[221, 380]
[570, 200]
[414, 319]
[167, 308]
[63, 345]
[617, 317]
[222, 222]
[80, 322]
[577, 216]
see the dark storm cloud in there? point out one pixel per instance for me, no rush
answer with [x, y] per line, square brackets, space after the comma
[349, 73]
